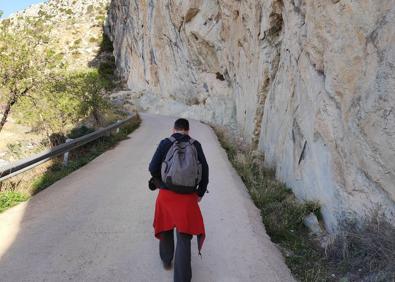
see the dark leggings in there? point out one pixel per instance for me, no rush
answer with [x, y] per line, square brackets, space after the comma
[182, 262]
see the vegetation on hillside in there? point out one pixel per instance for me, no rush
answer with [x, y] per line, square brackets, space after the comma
[41, 86]
[76, 27]
[23, 186]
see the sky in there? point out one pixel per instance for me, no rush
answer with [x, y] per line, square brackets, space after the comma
[11, 6]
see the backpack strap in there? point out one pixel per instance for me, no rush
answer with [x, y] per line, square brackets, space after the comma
[172, 139]
[191, 141]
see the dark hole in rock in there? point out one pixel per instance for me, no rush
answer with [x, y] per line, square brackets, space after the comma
[276, 24]
[220, 76]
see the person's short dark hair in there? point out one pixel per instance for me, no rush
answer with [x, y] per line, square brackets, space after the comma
[181, 124]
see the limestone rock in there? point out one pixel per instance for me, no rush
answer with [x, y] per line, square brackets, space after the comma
[309, 83]
[311, 222]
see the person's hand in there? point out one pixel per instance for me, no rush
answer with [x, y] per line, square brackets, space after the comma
[151, 184]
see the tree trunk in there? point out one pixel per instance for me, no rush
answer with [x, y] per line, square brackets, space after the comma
[11, 101]
[96, 116]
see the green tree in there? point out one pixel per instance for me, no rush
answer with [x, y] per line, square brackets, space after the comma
[64, 100]
[25, 61]
[89, 87]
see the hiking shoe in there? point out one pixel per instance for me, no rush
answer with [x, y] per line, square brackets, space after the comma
[166, 265]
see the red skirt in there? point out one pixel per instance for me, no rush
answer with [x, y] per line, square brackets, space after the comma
[180, 211]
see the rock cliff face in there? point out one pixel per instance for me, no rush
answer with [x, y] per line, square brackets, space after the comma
[309, 83]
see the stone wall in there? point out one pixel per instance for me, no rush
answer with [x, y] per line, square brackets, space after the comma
[309, 83]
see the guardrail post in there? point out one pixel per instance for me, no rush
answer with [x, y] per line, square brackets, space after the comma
[66, 155]
[117, 130]
[108, 133]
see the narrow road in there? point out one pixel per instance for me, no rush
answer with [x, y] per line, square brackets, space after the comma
[96, 224]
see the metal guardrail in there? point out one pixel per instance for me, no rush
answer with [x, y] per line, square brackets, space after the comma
[31, 162]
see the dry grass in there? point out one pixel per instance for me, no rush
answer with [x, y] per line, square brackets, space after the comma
[365, 251]
[15, 135]
[281, 212]
[360, 252]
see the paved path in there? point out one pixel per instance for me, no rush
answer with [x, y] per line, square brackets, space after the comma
[96, 224]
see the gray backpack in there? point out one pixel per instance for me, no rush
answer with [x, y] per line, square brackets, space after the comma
[181, 170]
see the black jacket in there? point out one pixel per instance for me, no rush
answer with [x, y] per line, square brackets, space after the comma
[160, 155]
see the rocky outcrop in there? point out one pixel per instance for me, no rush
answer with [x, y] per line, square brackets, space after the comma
[76, 28]
[309, 83]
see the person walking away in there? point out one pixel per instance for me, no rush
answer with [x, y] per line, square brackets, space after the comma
[180, 170]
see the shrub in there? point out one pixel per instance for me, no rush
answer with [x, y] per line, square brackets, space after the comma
[9, 199]
[80, 131]
[365, 251]
[76, 54]
[56, 139]
[106, 44]
[100, 18]
[90, 9]
[106, 70]
[77, 42]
